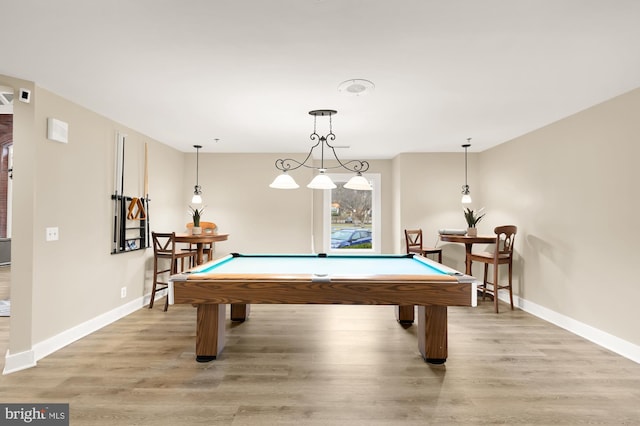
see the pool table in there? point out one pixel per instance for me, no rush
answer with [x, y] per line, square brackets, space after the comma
[243, 279]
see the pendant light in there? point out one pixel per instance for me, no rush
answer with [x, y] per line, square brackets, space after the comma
[466, 195]
[322, 180]
[197, 190]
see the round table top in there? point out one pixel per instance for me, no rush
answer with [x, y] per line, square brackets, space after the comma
[205, 237]
[479, 239]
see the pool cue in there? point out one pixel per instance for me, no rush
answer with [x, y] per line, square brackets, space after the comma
[146, 194]
[123, 231]
[146, 170]
[116, 185]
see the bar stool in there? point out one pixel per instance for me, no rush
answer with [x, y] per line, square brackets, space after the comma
[502, 255]
[413, 239]
[164, 247]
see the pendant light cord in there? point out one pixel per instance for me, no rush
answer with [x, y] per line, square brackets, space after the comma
[467, 145]
[465, 165]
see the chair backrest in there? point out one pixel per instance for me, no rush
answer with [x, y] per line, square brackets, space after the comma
[413, 239]
[164, 243]
[505, 238]
[206, 226]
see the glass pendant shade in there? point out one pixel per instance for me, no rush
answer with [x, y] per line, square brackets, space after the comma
[196, 199]
[358, 182]
[321, 181]
[466, 199]
[284, 181]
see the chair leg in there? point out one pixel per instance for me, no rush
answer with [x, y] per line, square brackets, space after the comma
[495, 286]
[166, 301]
[173, 270]
[484, 282]
[510, 284]
[155, 281]
[439, 257]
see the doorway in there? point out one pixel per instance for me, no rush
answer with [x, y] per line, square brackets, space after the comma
[6, 172]
[6, 176]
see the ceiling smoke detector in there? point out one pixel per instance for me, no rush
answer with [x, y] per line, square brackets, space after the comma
[356, 87]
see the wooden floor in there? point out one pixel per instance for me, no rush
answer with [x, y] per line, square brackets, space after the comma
[332, 365]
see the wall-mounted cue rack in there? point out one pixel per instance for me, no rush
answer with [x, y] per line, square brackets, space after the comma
[131, 223]
[130, 214]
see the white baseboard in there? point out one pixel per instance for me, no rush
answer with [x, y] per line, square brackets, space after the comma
[27, 359]
[599, 337]
[19, 361]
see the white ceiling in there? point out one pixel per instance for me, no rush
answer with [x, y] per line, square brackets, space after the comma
[248, 71]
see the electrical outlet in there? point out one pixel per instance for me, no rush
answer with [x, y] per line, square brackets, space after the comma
[123, 292]
[52, 234]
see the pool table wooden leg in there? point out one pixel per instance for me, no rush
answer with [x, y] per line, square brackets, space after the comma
[405, 314]
[432, 333]
[209, 331]
[240, 312]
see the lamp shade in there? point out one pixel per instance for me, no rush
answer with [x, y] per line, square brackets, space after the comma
[358, 182]
[466, 199]
[284, 181]
[321, 181]
[196, 199]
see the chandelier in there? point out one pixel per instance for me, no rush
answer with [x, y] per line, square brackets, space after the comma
[321, 180]
[466, 195]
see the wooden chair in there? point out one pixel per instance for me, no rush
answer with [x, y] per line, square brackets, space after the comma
[413, 239]
[164, 249]
[502, 255]
[207, 227]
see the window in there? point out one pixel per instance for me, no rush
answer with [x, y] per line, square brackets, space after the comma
[352, 218]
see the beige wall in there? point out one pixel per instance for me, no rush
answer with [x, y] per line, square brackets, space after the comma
[61, 284]
[237, 197]
[428, 192]
[572, 189]
[260, 219]
[569, 187]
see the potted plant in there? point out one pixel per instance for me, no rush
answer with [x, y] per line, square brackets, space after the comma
[196, 213]
[472, 219]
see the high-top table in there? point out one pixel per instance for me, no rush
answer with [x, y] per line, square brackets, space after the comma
[468, 242]
[200, 240]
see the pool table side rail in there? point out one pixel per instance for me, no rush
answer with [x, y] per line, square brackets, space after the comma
[317, 278]
[213, 264]
[447, 291]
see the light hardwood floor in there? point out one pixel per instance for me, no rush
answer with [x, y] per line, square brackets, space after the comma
[333, 365]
